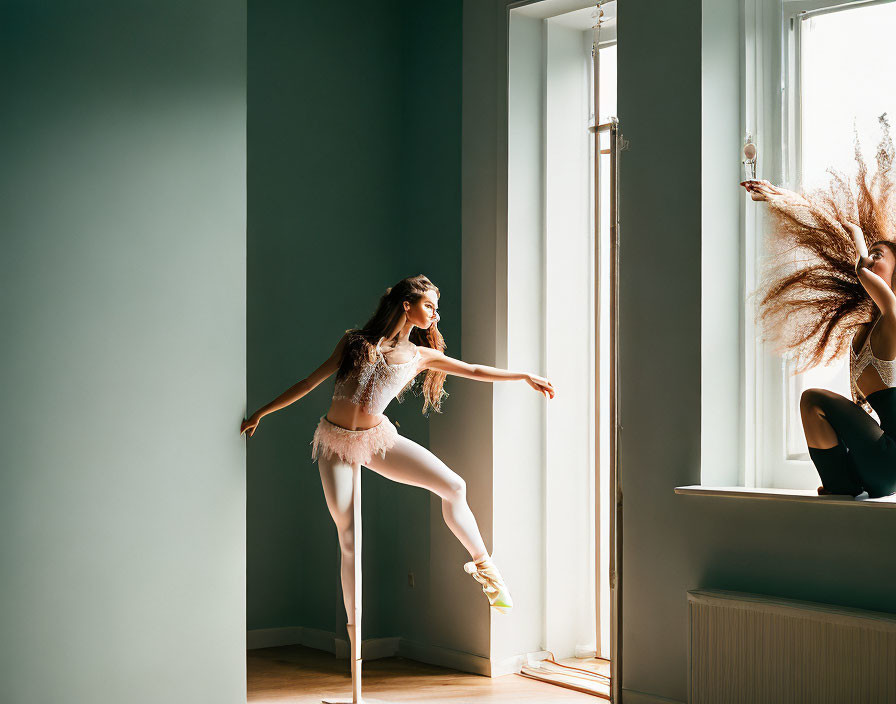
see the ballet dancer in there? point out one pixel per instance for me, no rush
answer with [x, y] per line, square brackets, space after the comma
[829, 285]
[373, 365]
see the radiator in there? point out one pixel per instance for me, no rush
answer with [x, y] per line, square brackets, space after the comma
[761, 649]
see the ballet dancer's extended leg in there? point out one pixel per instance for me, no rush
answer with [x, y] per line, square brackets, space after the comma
[336, 479]
[832, 424]
[408, 462]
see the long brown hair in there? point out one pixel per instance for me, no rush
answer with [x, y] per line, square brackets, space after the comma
[810, 298]
[360, 344]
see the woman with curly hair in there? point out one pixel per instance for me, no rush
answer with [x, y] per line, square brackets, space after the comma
[373, 365]
[828, 284]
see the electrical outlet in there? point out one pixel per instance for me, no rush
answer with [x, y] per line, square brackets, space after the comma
[410, 579]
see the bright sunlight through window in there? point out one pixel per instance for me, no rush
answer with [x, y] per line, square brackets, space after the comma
[847, 80]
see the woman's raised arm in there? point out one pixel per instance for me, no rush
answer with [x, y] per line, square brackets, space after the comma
[439, 361]
[877, 288]
[760, 189]
[297, 390]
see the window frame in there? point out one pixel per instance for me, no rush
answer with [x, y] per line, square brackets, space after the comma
[771, 48]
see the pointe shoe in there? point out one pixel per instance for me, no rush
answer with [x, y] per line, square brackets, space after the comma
[486, 573]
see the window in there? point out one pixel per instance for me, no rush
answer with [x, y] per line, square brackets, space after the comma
[551, 254]
[836, 71]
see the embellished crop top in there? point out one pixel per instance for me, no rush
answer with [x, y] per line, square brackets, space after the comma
[376, 383]
[857, 363]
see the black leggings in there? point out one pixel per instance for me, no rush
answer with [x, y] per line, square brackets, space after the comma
[865, 457]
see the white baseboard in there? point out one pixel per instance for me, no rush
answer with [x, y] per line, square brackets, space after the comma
[514, 663]
[630, 696]
[375, 648]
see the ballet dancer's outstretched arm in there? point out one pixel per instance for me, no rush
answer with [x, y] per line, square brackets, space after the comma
[760, 189]
[297, 390]
[439, 361]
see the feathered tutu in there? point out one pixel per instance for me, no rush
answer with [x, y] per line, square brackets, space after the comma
[352, 446]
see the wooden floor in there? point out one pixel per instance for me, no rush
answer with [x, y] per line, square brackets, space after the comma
[301, 675]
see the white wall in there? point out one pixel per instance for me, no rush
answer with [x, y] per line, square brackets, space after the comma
[569, 349]
[540, 466]
[523, 487]
[519, 415]
[722, 281]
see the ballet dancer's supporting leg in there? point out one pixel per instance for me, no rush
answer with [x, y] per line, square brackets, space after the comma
[355, 626]
[408, 462]
[342, 489]
[337, 479]
[832, 424]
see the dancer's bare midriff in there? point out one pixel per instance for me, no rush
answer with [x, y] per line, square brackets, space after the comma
[349, 415]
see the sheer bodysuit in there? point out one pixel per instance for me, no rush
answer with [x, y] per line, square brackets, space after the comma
[360, 399]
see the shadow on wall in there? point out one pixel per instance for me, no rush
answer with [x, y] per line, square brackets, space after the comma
[354, 183]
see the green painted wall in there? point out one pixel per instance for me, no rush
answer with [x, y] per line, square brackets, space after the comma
[673, 543]
[354, 183]
[122, 498]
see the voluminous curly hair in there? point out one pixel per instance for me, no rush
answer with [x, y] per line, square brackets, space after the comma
[810, 298]
[360, 344]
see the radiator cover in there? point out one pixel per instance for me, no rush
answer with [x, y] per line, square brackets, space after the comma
[763, 649]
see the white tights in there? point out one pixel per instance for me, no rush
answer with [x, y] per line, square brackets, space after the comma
[408, 463]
